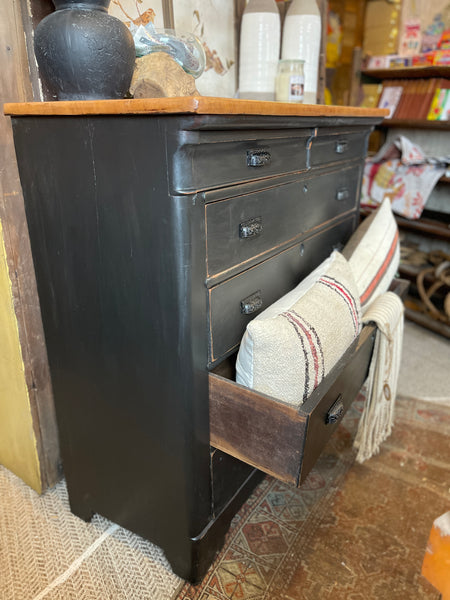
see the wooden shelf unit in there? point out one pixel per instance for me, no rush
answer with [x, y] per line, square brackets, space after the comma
[408, 72]
[417, 124]
[439, 71]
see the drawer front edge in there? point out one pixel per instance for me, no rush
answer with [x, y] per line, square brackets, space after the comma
[344, 390]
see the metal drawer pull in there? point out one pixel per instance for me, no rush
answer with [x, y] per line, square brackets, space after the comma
[252, 303]
[250, 228]
[258, 158]
[336, 411]
[341, 146]
[342, 194]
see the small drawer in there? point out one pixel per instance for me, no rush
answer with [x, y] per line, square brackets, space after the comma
[233, 303]
[252, 224]
[330, 146]
[227, 474]
[214, 162]
[277, 438]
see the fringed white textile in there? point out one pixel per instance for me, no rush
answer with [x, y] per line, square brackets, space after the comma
[378, 415]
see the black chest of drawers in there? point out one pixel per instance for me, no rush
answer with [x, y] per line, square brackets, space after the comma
[157, 233]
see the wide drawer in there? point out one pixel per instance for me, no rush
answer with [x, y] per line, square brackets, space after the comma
[233, 303]
[214, 161]
[277, 438]
[249, 225]
[332, 146]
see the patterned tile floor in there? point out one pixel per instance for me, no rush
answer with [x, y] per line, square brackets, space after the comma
[351, 532]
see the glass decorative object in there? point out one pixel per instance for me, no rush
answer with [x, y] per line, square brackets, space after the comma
[185, 48]
[290, 81]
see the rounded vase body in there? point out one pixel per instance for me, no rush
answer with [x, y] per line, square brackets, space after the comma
[301, 40]
[259, 50]
[84, 53]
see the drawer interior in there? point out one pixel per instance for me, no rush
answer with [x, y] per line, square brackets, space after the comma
[279, 439]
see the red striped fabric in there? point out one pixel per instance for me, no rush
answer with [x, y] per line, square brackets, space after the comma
[345, 294]
[381, 271]
[295, 321]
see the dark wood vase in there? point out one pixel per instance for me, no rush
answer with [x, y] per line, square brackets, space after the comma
[84, 53]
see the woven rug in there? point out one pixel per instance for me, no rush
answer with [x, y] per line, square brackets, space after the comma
[351, 532]
[48, 553]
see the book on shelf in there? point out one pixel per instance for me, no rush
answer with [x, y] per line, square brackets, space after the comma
[390, 97]
[440, 106]
[405, 101]
[431, 87]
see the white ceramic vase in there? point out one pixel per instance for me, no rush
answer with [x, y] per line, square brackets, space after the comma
[301, 40]
[259, 50]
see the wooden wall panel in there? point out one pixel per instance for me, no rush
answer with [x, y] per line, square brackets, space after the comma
[15, 85]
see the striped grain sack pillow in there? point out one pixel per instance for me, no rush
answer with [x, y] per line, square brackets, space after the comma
[288, 349]
[373, 253]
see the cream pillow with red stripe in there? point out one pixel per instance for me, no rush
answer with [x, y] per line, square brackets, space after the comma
[288, 349]
[373, 253]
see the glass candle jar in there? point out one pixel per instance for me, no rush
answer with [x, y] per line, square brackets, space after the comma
[290, 81]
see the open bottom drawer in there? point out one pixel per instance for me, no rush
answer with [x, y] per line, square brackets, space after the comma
[279, 439]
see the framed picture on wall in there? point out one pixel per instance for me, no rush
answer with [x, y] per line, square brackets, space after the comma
[139, 12]
[213, 22]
